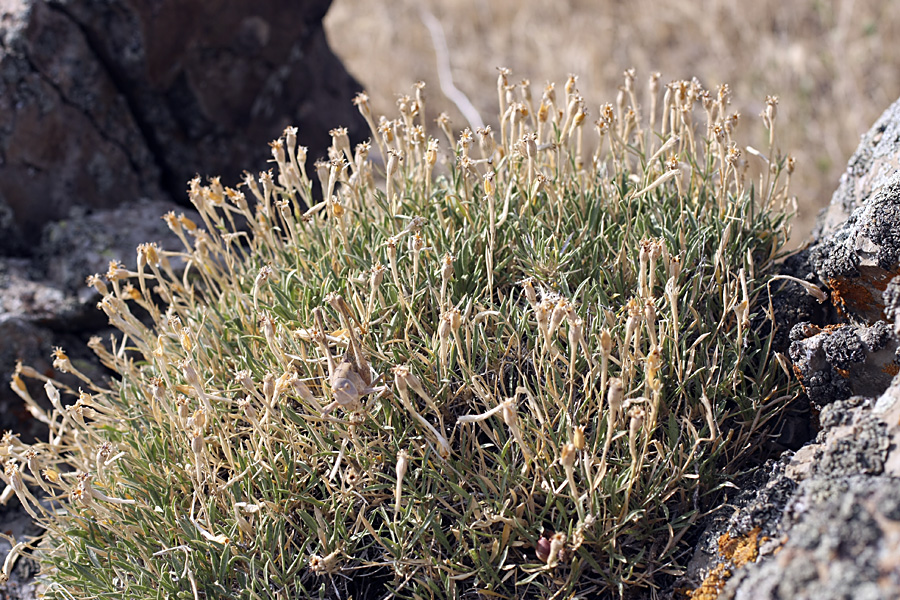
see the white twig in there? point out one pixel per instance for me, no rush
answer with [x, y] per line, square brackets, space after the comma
[442, 56]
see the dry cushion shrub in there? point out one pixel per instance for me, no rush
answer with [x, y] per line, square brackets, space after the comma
[516, 361]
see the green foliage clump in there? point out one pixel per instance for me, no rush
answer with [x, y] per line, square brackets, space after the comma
[512, 364]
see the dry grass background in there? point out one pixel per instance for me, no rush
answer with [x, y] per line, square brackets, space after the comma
[835, 65]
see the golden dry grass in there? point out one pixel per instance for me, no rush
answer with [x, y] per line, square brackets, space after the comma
[834, 64]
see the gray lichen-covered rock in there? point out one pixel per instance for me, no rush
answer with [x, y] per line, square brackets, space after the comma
[103, 102]
[875, 161]
[859, 258]
[857, 240]
[836, 362]
[892, 303]
[826, 524]
[71, 249]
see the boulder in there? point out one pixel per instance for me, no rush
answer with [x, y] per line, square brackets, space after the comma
[103, 102]
[45, 303]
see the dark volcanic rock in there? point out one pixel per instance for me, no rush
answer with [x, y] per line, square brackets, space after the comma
[103, 102]
[45, 303]
[791, 303]
[107, 109]
[823, 523]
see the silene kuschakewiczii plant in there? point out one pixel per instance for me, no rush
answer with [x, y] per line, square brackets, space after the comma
[515, 362]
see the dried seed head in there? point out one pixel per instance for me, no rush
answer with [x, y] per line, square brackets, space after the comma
[337, 207]
[95, 282]
[278, 152]
[243, 377]
[431, 152]
[455, 318]
[636, 414]
[187, 223]
[567, 455]
[417, 243]
[181, 401]
[319, 565]
[557, 549]
[361, 100]
[444, 329]
[341, 141]
[402, 465]
[198, 443]
[530, 294]
[269, 388]
[376, 274]
[190, 373]
[615, 397]
[489, 187]
[61, 361]
[578, 437]
[246, 406]
[394, 160]
[558, 314]
[654, 83]
[443, 122]
[542, 313]
[465, 141]
[147, 254]
[51, 475]
[14, 476]
[576, 332]
[650, 313]
[116, 271]
[771, 108]
[605, 343]
[503, 77]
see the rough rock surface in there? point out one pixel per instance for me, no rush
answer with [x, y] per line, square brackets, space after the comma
[44, 301]
[826, 523]
[107, 109]
[839, 534]
[839, 361]
[103, 102]
[875, 161]
[861, 256]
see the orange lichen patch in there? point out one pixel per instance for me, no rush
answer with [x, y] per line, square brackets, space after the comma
[845, 373]
[735, 552]
[851, 297]
[861, 296]
[810, 329]
[799, 375]
[712, 586]
[742, 550]
[891, 369]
